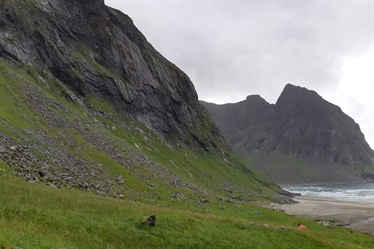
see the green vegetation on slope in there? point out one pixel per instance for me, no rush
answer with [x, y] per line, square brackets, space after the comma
[55, 124]
[37, 216]
[200, 200]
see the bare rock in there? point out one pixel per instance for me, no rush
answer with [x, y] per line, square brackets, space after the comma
[302, 127]
[150, 220]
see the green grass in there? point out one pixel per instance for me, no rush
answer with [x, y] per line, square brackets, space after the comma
[37, 216]
[13, 108]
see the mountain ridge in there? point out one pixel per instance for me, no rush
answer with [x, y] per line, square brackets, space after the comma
[301, 124]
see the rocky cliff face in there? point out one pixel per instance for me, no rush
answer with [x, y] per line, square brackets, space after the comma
[86, 102]
[302, 125]
[97, 51]
[317, 130]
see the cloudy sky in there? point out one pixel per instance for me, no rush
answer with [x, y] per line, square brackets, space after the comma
[232, 49]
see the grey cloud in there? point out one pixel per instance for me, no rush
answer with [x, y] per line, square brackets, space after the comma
[254, 43]
[234, 49]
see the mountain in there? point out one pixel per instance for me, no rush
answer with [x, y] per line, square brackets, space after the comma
[97, 51]
[87, 103]
[300, 139]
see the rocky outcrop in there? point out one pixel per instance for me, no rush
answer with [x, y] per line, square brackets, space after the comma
[317, 130]
[59, 167]
[301, 124]
[88, 103]
[97, 51]
[242, 124]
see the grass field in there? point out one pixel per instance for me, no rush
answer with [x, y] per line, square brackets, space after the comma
[37, 216]
[32, 215]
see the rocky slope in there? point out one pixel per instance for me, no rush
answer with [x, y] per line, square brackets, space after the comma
[302, 138]
[97, 50]
[88, 103]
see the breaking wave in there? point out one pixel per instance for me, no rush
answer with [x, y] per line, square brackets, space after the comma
[363, 193]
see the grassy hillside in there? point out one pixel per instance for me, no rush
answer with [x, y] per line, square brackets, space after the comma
[50, 136]
[77, 173]
[36, 216]
[60, 144]
[54, 145]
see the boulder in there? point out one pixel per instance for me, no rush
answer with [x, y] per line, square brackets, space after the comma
[150, 220]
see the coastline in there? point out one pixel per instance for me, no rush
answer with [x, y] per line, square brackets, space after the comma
[285, 185]
[357, 216]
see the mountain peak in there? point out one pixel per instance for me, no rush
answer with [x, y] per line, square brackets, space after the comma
[255, 97]
[302, 126]
[290, 89]
[291, 86]
[255, 102]
[292, 94]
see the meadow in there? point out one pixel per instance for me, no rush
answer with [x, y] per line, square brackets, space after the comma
[38, 216]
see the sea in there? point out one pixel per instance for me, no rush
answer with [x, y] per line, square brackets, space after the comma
[360, 193]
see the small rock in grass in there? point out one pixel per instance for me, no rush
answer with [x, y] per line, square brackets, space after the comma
[51, 184]
[150, 220]
[120, 179]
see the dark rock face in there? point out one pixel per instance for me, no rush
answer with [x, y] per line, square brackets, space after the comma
[317, 130]
[301, 124]
[66, 64]
[243, 124]
[97, 51]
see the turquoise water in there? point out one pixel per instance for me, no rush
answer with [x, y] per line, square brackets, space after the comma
[363, 193]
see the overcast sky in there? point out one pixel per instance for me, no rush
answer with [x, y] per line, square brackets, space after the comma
[232, 49]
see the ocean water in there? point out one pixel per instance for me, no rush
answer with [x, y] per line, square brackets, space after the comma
[362, 193]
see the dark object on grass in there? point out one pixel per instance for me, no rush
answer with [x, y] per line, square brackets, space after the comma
[150, 220]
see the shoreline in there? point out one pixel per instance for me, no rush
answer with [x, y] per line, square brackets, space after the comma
[357, 216]
[322, 184]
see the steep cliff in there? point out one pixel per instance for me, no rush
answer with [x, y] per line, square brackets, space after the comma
[301, 125]
[97, 51]
[86, 102]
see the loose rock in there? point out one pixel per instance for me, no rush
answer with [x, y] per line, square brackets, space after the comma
[150, 220]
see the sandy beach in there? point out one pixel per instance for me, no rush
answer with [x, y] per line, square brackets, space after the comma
[358, 216]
